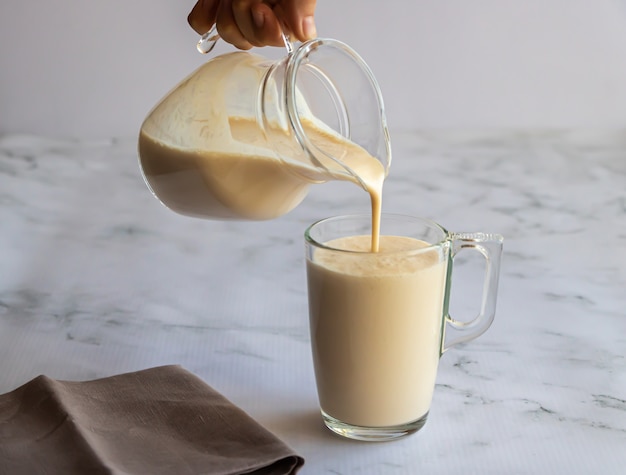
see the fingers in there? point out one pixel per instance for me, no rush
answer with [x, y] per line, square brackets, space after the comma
[268, 29]
[256, 22]
[227, 25]
[247, 23]
[299, 17]
[202, 16]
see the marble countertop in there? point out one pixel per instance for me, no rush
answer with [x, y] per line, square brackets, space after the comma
[98, 278]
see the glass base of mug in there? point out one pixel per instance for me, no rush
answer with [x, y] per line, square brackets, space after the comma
[373, 434]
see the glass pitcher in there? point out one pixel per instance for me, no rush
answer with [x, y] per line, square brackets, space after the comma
[243, 137]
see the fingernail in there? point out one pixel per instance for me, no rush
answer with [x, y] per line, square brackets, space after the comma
[259, 18]
[308, 27]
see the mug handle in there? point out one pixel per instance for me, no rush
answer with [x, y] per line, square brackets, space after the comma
[490, 246]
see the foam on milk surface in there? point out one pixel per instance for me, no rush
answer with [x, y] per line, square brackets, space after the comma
[396, 255]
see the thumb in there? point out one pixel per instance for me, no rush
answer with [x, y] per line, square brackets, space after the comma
[299, 17]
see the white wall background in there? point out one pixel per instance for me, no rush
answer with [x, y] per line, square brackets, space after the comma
[76, 68]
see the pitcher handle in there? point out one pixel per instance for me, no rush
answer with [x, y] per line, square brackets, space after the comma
[490, 247]
[206, 43]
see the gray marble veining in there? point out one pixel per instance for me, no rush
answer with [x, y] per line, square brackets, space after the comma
[98, 278]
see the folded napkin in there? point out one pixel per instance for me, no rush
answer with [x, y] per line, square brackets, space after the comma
[158, 421]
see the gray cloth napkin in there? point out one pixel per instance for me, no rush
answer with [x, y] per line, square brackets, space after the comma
[158, 421]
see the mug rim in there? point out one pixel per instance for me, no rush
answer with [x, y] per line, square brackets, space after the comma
[312, 241]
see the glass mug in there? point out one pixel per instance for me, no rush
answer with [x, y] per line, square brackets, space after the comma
[379, 322]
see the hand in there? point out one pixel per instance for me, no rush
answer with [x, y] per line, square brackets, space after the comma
[248, 23]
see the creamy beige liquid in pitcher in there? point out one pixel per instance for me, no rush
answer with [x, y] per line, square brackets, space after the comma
[204, 152]
[243, 178]
[220, 184]
[375, 329]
